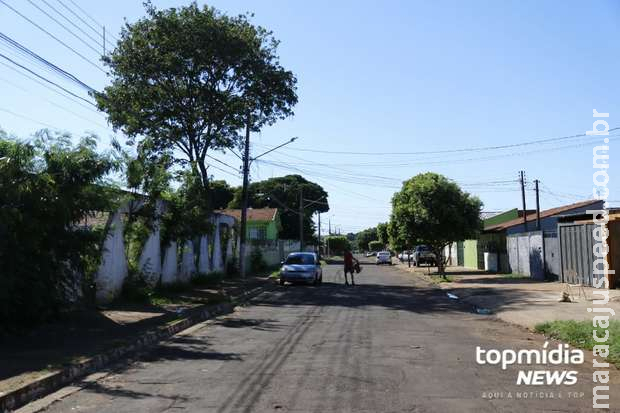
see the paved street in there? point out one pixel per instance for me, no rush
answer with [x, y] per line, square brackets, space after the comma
[389, 344]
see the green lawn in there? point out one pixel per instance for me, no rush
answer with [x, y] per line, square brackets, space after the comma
[579, 334]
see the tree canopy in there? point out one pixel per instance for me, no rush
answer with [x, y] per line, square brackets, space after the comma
[362, 238]
[186, 80]
[283, 193]
[433, 210]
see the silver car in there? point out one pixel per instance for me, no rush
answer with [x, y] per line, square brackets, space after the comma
[301, 267]
[384, 257]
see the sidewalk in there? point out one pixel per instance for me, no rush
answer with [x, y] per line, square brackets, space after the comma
[81, 336]
[515, 300]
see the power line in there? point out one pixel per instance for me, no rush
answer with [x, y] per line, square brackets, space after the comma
[47, 125]
[52, 36]
[65, 27]
[58, 92]
[45, 79]
[97, 42]
[483, 148]
[24, 50]
[87, 15]
[54, 104]
[223, 163]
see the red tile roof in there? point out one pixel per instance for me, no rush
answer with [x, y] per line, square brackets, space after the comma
[254, 214]
[543, 214]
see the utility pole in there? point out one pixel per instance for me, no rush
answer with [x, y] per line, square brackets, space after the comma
[104, 40]
[537, 206]
[301, 219]
[244, 196]
[330, 225]
[319, 214]
[522, 180]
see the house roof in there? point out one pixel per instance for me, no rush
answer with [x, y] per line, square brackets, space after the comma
[254, 214]
[543, 214]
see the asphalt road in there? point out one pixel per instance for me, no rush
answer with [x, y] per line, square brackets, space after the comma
[389, 344]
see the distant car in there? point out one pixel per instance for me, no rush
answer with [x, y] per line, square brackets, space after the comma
[422, 254]
[384, 257]
[301, 267]
[404, 256]
[370, 254]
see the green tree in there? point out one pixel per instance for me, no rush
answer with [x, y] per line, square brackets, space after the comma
[375, 246]
[221, 194]
[338, 244]
[47, 188]
[364, 237]
[283, 193]
[187, 80]
[437, 211]
[382, 233]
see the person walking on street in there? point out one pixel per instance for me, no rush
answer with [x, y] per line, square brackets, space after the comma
[349, 267]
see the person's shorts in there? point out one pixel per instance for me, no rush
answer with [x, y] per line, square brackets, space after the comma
[349, 269]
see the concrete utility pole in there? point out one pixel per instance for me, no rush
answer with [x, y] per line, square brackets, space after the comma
[319, 214]
[537, 206]
[244, 197]
[522, 180]
[301, 219]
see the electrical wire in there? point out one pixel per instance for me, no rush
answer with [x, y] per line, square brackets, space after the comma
[52, 36]
[47, 125]
[72, 99]
[483, 148]
[53, 103]
[97, 42]
[26, 51]
[87, 15]
[45, 79]
[84, 42]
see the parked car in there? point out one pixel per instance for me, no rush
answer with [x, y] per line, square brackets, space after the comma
[422, 254]
[404, 256]
[370, 254]
[384, 257]
[301, 267]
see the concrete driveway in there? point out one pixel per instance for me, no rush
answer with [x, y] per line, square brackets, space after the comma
[385, 345]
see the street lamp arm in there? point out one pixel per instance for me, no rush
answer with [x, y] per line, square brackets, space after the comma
[273, 149]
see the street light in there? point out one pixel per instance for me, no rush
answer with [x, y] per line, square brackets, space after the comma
[293, 139]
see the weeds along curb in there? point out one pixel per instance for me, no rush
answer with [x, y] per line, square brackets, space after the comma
[56, 380]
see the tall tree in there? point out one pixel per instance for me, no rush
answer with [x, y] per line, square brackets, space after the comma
[283, 193]
[382, 233]
[437, 211]
[186, 80]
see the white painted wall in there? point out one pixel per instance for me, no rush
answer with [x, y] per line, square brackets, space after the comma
[113, 268]
[170, 268]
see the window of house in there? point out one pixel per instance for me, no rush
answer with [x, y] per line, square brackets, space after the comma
[258, 233]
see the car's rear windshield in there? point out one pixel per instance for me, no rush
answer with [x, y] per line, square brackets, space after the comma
[423, 248]
[384, 253]
[301, 259]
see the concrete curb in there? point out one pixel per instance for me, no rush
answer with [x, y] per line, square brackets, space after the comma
[56, 380]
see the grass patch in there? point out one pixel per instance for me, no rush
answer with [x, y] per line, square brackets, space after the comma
[515, 276]
[438, 279]
[579, 334]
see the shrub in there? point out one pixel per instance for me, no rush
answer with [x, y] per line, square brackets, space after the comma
[46, 189]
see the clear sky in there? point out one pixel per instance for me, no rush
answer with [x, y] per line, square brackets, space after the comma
[377, 79]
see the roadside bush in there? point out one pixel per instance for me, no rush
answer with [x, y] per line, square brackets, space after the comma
[257, 263]
[337, 244]
[46, 189]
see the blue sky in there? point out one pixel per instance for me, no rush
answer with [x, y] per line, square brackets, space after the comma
[389, 77]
